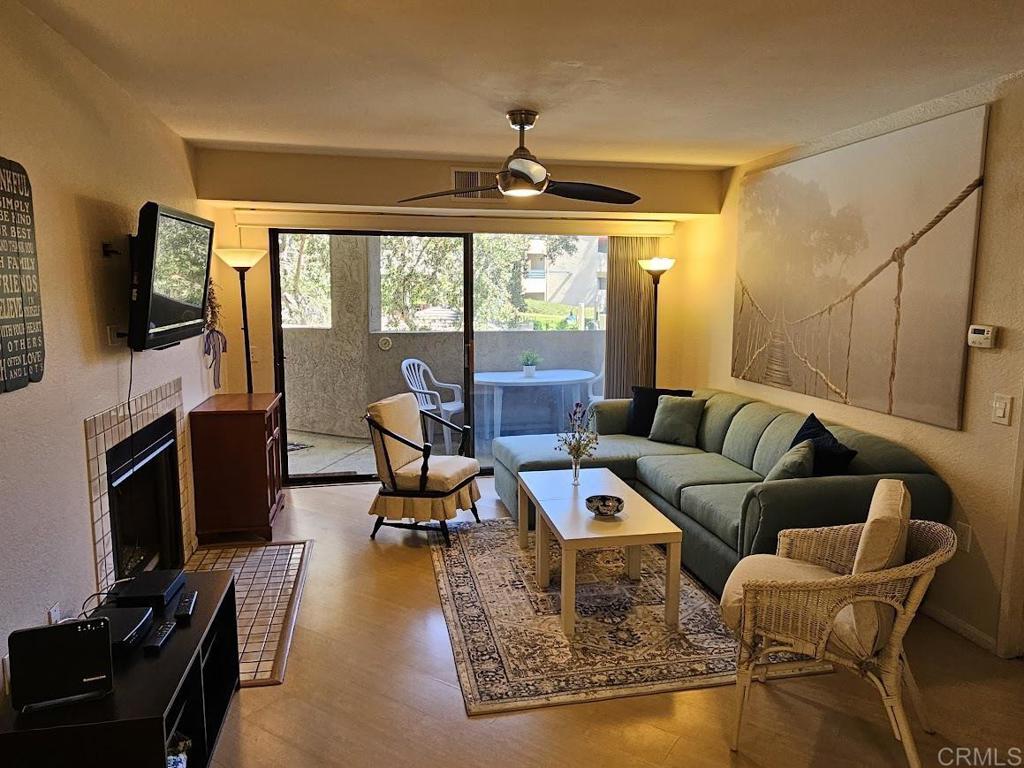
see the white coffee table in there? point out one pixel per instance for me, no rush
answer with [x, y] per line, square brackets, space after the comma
[562, 512]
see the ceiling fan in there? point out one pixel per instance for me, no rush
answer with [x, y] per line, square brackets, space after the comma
[522, 175]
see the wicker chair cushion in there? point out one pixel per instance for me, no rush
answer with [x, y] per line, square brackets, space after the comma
[883, 544]
[845, 639]
[401, 415]
[443, 473]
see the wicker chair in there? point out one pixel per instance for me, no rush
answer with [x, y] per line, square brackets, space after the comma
[799, 616]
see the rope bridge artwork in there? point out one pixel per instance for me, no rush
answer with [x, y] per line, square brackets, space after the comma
[814, 313]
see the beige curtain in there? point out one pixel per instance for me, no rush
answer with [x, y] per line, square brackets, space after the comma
[628, 350]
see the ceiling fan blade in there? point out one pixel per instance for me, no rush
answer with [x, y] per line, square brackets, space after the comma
[488, 188]
[596, 193]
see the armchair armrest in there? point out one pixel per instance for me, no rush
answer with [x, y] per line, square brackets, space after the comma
[803, 612]
[610, 416]
[456, 389]
[466, 431]
[834, 547]
[814, 502]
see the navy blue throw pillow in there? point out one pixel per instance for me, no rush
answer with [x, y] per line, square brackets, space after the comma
[830, 456]
[645, 403]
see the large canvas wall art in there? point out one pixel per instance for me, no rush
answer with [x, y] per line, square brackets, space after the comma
[855, 270]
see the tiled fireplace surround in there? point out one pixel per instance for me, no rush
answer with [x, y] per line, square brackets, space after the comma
[107, 429]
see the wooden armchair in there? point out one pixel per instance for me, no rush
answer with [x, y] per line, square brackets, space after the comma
[809, 599]
[415, 485]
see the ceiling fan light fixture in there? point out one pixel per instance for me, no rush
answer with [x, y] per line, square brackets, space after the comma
[512, 185]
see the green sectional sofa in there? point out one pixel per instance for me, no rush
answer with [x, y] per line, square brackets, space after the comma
[716, 491]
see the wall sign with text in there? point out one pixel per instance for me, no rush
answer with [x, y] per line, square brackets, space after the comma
[21, 313]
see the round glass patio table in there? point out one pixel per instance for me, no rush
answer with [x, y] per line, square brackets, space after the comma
[563, 378]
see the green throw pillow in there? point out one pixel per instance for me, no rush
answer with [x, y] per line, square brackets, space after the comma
[798, 461]
[677, 419]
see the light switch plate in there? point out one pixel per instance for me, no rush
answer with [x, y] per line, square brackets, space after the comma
[1002, 409]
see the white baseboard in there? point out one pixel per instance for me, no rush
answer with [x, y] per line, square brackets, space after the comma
[960, 626]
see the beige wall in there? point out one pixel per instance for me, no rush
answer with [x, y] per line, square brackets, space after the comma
[979, 461]
[93, 158]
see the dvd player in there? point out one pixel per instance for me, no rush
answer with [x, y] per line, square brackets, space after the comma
[154, 589]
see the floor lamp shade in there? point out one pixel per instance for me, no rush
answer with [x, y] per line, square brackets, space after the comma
[242, 260]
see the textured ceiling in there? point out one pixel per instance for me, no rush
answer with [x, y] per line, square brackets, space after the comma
[630, 82]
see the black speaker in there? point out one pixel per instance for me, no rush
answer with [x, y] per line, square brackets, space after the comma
[60, 663]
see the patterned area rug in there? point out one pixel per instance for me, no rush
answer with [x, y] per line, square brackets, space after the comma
[508, 644]
[268, 588]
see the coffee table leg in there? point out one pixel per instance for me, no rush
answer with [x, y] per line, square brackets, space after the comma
[672, 565]
[542, 538]
[633, 563]
[524, 517]
[569, 592]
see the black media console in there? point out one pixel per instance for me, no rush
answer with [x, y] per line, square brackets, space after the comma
[186, 690]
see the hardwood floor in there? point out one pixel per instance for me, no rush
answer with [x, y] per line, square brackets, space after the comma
[371, 682]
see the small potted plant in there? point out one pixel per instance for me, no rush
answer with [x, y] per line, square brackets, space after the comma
[579, 442]
[529, 360]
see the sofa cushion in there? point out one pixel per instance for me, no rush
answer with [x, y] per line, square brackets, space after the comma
[797, 462]
[644, 406]
[668, 475]
[776, 440]
[717, 507]
[831, 457]
[677, 420]
[878, 456]
[519, 453]
[745, 431]
[718, 415]
[775, 568]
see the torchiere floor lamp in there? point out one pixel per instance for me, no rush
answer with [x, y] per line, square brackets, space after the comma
[242, 260]
[655, 268]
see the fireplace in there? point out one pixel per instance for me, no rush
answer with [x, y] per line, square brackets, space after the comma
[145, 500]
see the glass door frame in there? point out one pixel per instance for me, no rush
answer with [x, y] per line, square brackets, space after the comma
[469, 417]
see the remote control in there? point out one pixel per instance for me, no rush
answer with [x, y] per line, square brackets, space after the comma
[158, 637]
[186, 606]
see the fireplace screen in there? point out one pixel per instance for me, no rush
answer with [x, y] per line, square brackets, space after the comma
[145, 501]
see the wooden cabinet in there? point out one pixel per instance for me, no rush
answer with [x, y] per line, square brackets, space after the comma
[236, 463]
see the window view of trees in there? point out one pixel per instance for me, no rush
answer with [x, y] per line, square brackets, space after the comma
[521, 282]
[305, 260]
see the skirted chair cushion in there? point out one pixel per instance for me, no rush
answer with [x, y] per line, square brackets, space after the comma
[400, 468]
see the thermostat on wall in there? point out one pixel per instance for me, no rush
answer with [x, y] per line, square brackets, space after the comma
[981, 336]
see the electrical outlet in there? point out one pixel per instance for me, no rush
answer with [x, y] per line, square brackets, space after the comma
[964, 536]
[253, 354]
[113, 340]
[54, 614]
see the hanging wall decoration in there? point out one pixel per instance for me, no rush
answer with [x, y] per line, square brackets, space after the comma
[855, 266]
[21, 315]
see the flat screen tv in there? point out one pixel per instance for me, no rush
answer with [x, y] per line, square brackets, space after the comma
[170, 277]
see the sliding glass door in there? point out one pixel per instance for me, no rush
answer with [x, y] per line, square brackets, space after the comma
[539, 314]
[359, 317]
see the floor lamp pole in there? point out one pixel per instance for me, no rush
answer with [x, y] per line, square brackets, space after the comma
[654, 332]
[245, 328]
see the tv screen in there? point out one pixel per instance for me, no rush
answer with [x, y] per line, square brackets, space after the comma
[170, 277]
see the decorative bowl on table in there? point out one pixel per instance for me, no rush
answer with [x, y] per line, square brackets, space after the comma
[604, 506]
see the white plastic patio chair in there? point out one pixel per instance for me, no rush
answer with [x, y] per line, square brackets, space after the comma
[425, 386]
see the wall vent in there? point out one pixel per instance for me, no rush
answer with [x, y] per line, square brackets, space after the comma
[468, 178]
